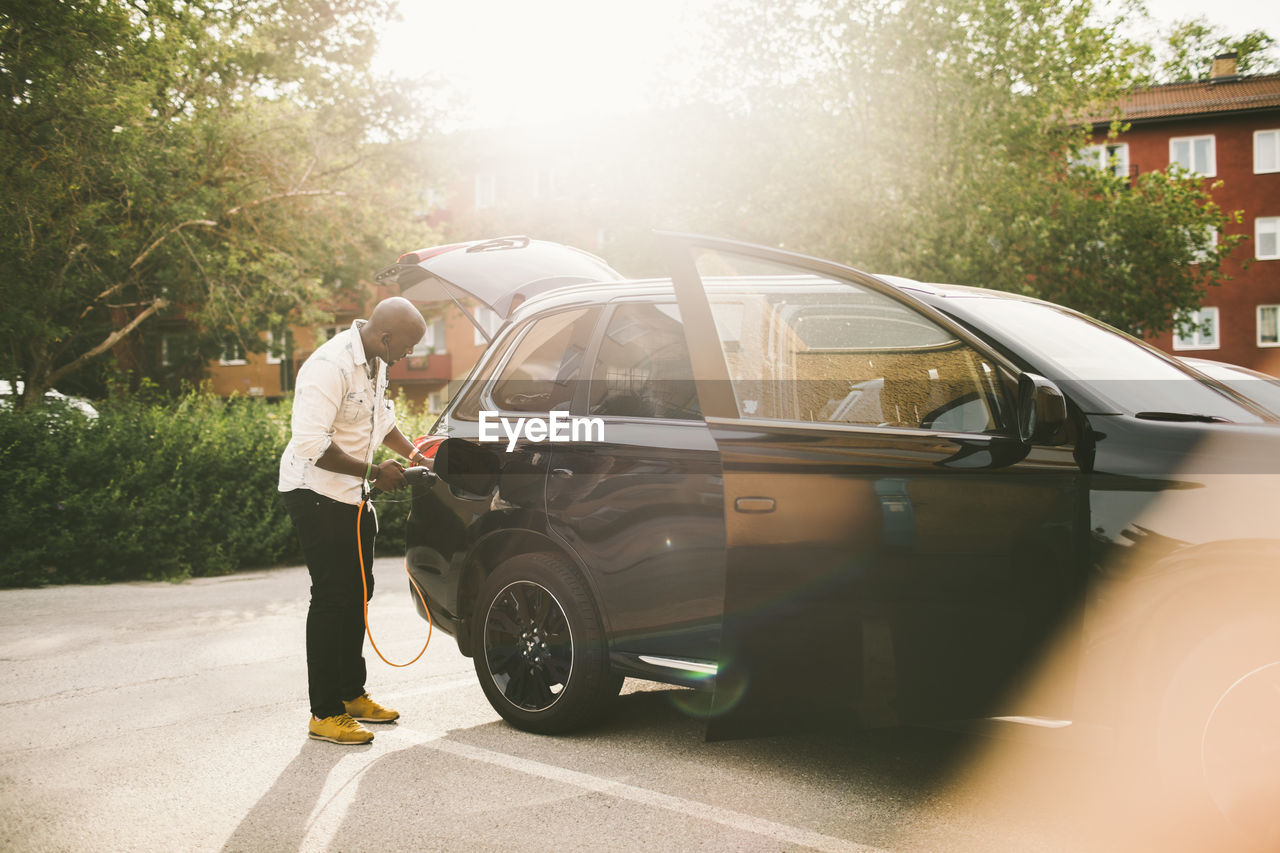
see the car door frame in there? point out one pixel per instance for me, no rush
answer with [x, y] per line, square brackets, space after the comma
[719, 406]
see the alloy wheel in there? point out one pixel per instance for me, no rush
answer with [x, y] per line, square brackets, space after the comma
[528, 645]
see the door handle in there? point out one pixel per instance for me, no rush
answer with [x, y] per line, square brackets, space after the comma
[754, 504]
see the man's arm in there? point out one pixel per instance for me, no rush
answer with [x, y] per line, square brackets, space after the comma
[396, 442]
[385, 475]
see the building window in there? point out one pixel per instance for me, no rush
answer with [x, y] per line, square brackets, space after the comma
[1269, 325]
[175, 348]
[488, 319]
[1201, 253]
[232, 353]
[1195, 154]
[1113, 157]
[1203, 334]
[426, 345]
[1266, 151]
[431, 342]
[486, 190]
[1266, 237]
[279, 346]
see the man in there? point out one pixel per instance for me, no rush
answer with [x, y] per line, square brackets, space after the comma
[340, 415]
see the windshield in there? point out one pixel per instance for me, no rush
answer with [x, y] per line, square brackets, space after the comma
[1095, 361]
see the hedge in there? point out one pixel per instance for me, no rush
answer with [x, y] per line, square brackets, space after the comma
[168, 490]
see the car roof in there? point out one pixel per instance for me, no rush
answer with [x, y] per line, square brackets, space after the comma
[601, 293]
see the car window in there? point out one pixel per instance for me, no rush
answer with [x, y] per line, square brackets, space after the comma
[642, 368]
[839, 353]
[819, 349]
[541, 373]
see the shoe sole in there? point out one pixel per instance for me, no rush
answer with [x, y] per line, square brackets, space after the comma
[315, 736]
[376, 719]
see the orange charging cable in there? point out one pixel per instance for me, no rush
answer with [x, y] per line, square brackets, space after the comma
[364, 585]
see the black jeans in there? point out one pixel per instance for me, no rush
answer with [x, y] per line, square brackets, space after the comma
[335, 622]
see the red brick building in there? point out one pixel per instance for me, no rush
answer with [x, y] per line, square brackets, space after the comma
[1226, 128]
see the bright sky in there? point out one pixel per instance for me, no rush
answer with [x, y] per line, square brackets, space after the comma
[1237, 17]
[542, 61]
[525, 62]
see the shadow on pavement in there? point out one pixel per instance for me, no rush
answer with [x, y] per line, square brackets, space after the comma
[647, 779]
[493, 787]
[279, 820]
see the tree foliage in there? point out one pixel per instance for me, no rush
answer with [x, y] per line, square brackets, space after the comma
[225, 161]
[929, 139]
[1186, 50]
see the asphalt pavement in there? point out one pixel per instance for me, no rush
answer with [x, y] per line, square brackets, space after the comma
[172, 716]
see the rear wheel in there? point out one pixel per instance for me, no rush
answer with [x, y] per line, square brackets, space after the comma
[540, 651]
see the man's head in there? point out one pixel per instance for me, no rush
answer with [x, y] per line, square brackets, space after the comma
[393, 330]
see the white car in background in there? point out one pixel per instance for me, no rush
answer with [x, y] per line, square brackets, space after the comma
[1262, 388]
[81, 405]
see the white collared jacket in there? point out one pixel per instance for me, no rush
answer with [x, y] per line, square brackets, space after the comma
[335, 402]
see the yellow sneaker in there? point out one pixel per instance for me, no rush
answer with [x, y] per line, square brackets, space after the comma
[339, 728]
[366, 710]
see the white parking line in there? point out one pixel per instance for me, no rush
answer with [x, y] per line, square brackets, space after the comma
[790, 835]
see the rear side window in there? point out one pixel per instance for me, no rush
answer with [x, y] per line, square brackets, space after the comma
[543, 370]
[643, 368]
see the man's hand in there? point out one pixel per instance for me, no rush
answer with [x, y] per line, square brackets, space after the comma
[388, 476]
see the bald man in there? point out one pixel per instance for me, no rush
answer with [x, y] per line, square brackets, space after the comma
[340, 415]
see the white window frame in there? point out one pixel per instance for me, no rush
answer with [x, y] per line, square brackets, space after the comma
[167, 341]
[1202, 255]
[1099, 157]
[1194, 343]
[272, 358]
[1260, 143]
[432, 342]
[489, 320]
[1274, 310]
[1211, 170]
[232, 362]
[1271, 224]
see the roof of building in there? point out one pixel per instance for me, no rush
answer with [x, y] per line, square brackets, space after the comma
[1200, 97]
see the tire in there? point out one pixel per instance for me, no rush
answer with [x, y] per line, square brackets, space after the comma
[540, 650]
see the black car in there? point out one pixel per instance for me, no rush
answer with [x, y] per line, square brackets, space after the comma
[805, 488]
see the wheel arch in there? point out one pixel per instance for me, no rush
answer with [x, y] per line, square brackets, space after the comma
[489, 553]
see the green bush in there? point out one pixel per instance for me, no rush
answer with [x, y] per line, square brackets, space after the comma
[153, 491]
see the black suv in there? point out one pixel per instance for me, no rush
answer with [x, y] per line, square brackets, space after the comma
[803, 487]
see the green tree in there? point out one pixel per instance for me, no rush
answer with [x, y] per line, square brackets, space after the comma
[936, 140]
[1188, 47]
[226, 161]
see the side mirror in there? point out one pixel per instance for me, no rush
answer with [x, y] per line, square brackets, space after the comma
[1042, 409]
